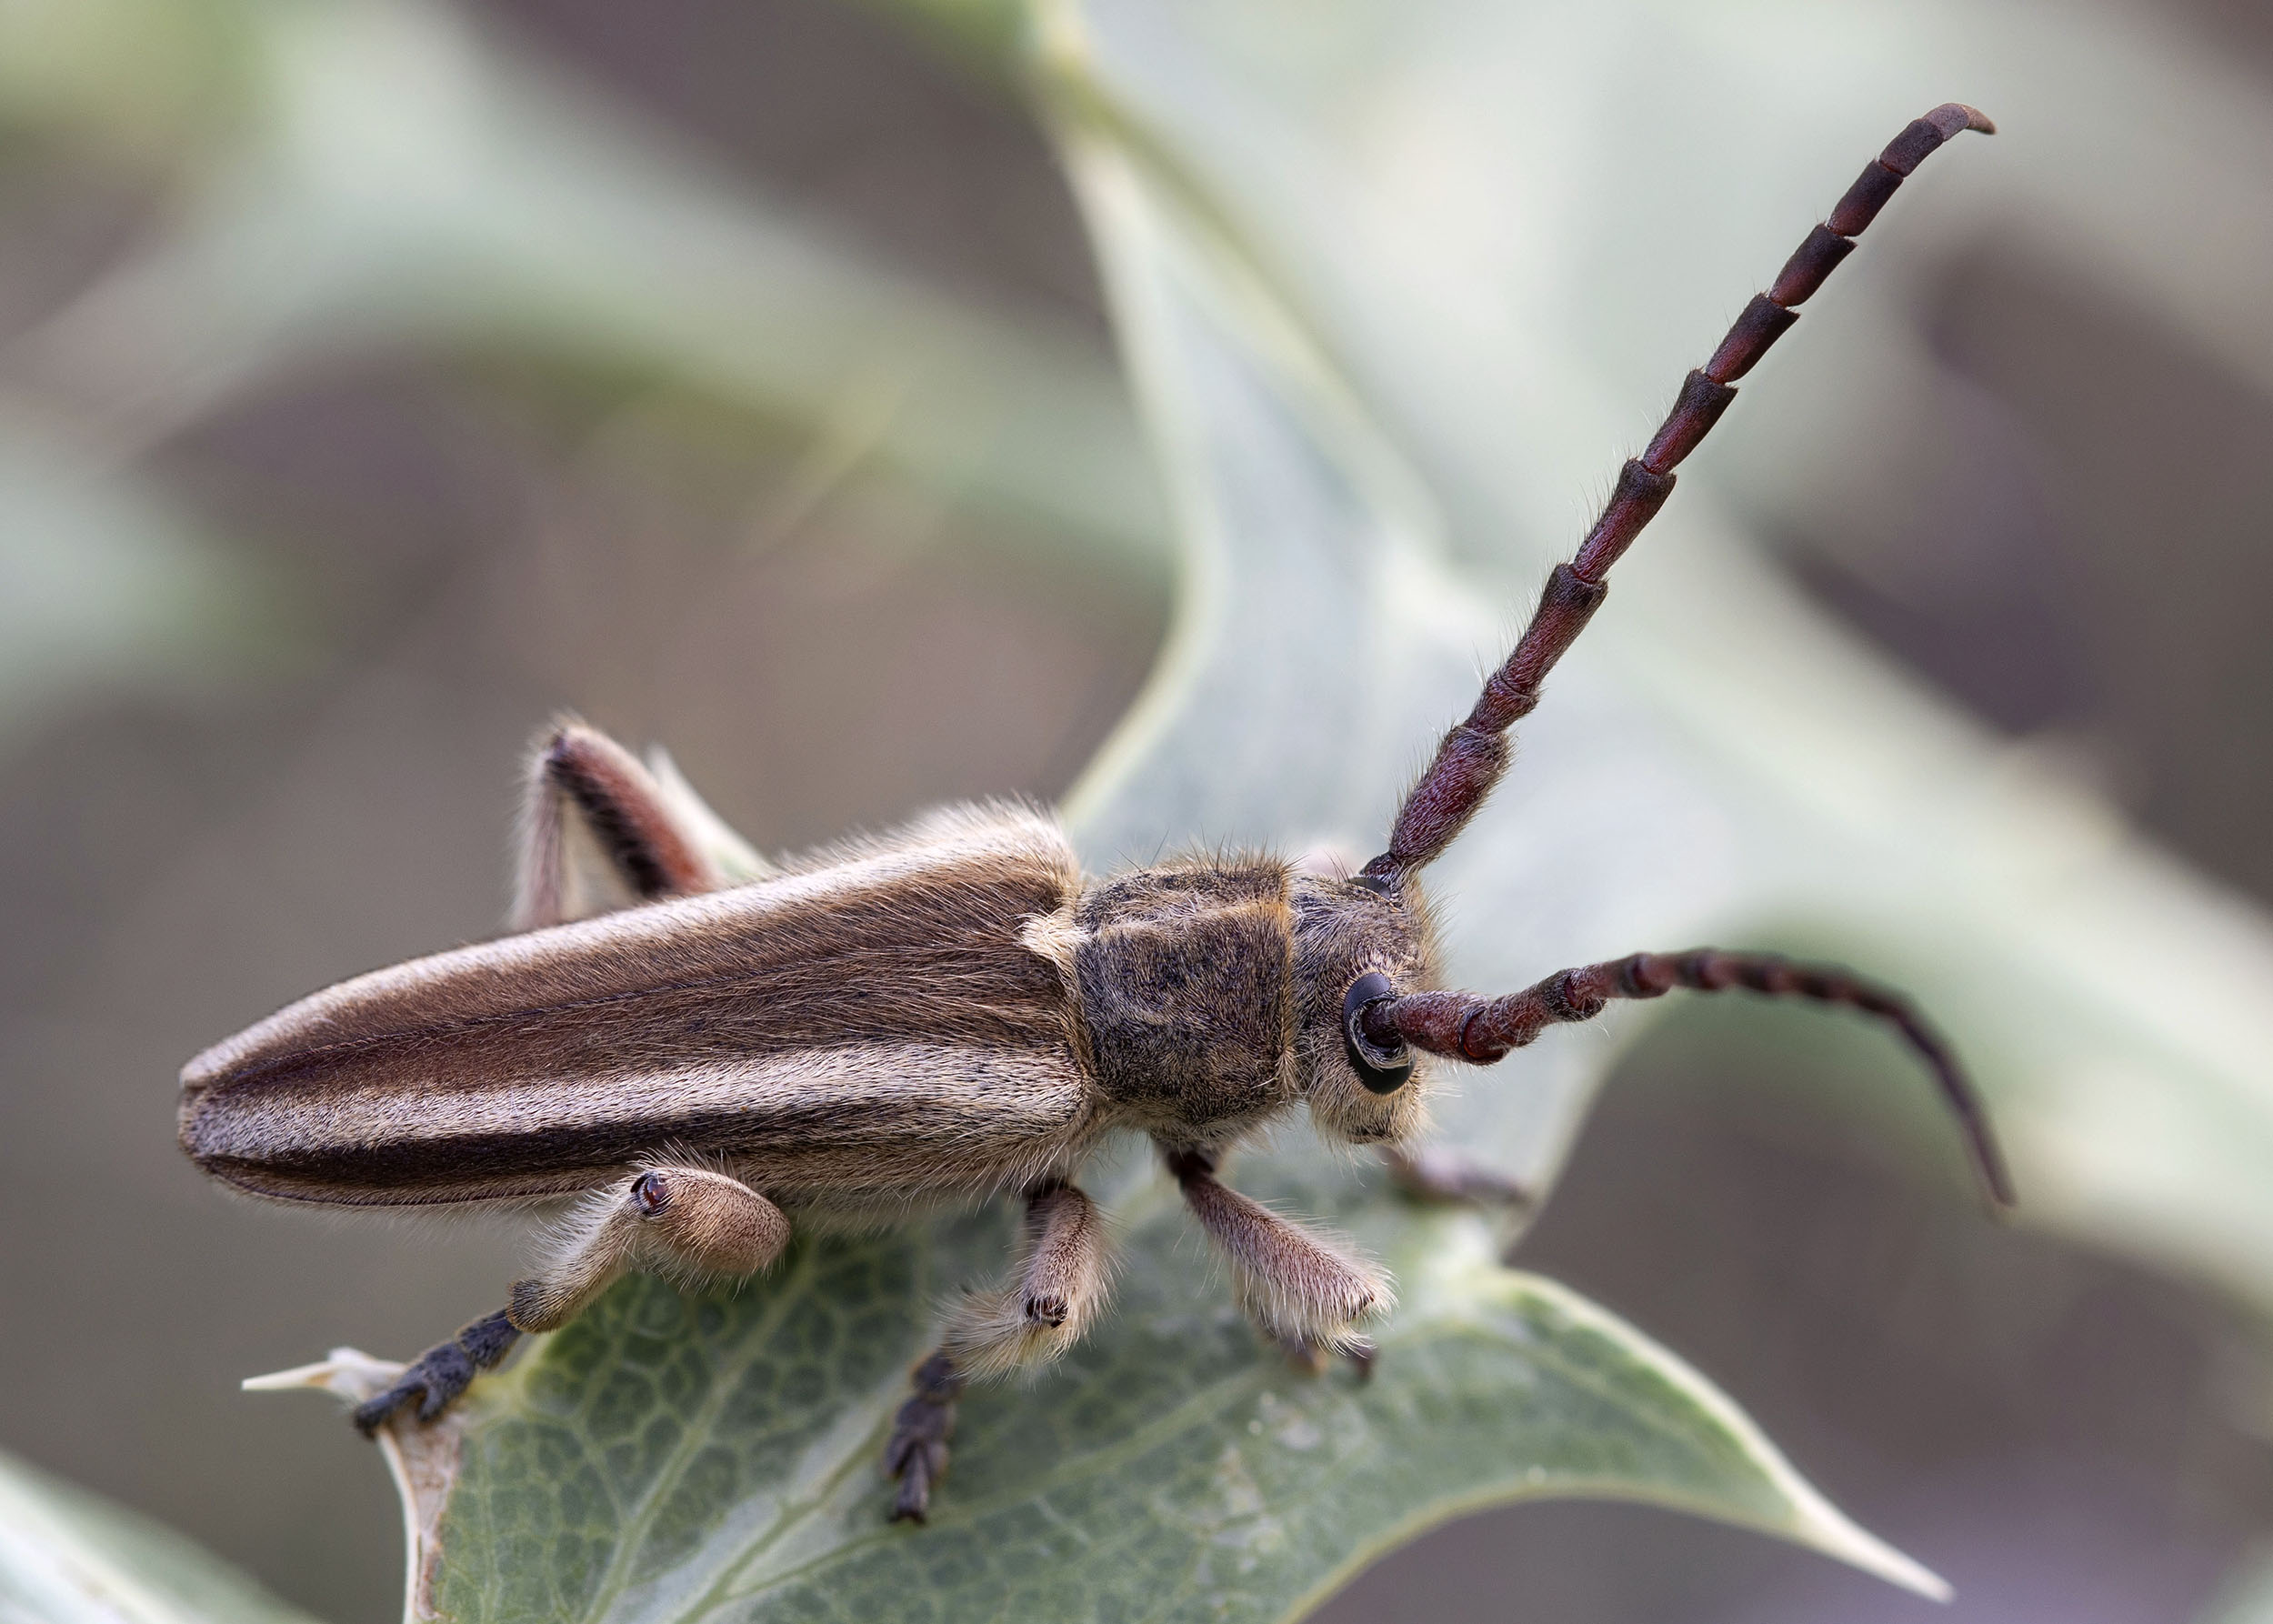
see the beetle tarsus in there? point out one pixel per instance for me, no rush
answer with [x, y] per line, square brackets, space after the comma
[917, 1452]
[1298, 1288]
[441, 1374]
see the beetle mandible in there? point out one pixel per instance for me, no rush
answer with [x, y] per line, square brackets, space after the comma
[694, 1047]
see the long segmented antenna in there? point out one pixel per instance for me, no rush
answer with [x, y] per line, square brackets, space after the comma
[1474, 754]
[1482, 1030]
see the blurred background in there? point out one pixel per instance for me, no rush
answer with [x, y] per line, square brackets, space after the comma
[328, 471]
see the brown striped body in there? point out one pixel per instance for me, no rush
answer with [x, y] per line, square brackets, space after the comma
[946, 1011]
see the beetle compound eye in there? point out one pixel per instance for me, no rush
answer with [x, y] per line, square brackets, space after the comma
[650, 1194]
[1382, 1071]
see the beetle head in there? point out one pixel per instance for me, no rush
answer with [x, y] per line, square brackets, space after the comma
[1356, 942]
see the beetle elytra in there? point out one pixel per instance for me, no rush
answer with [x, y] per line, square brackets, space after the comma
[693, 1049]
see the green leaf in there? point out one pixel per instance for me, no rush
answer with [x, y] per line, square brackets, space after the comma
[69, 1557]
[669, 1459]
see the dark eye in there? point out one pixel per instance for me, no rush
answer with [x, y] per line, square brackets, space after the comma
[1382, 1071]
[650, 1193]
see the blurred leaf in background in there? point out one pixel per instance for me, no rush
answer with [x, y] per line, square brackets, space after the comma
[105, 586]
[68, 1557]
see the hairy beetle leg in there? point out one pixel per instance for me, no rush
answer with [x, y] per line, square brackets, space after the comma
[691, 1223]
[599, 832]
[1295, 1285]
[441, 1374]
[1442, 1177]
[917, 1452]
[1057, 1289]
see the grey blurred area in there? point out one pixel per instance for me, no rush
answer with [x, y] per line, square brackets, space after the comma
[465, 548]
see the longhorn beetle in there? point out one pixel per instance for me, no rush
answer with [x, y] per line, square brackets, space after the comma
[694, 1047]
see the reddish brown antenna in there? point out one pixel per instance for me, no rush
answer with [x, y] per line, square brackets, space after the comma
[1468, 1027]
[1474, 754]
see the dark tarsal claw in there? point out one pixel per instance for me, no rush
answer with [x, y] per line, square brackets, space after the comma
[373, 1413]
[441, 1374]
[921, 1469]
[437, 1379]
[917, 1452]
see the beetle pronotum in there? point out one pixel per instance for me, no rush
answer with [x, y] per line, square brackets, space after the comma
[691, 1047]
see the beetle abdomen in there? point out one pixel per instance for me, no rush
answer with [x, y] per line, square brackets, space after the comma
[848, 1022]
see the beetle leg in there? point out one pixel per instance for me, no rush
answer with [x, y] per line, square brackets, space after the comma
[917, 1452]
[686, 1221]
[1064, 1267]
[1439, 1176]
[441, 1373]
[599, 831]
[1059, 1285]
[683, 1222]
[1298, 1287]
